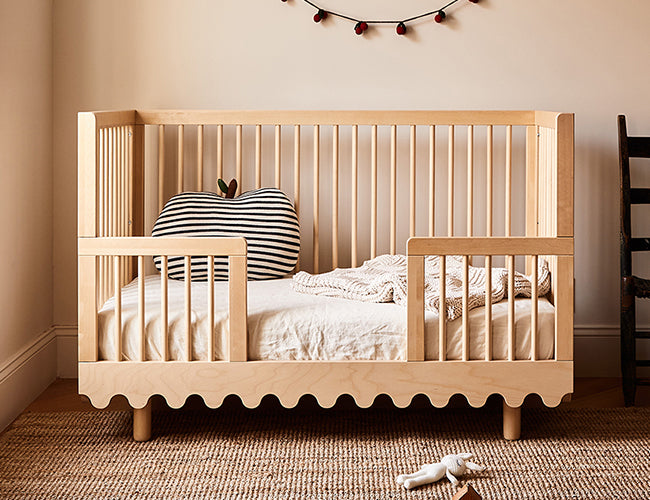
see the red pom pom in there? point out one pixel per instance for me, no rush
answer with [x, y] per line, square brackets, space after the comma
[473, 1]
[323, 14]
[364, 26]
[401, 29]
[440, 16]
[358, 30]
[317, 18]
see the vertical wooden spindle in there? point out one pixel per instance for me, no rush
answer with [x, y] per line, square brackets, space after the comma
[432, 180]
[219, 151]
[533, 309]
[199, 157]
[373, 192]
[465, 308]
[296, 176]
[442, 309]
[511, 307]
[450, 184]
[470, 180]
[412, 181]
[488, 183]
[258, 156]
[335, 196]
[210, 264]
[141, 329]
[118, 308]
[316, 196]
[238, 158]
[393, 189]
[181, 159]
[353, 188]
[278, 155]
[488, 308]
[508, 180]
[164, 308]
[161, 167]
[188, 307]
[415, 313]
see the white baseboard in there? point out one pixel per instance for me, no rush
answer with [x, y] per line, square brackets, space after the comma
[597, 351]
[26, 375]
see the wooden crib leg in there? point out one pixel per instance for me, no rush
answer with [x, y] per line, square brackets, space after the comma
[511, 422]
[142, 423]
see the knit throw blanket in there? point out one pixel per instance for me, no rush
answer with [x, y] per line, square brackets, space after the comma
[383, 279]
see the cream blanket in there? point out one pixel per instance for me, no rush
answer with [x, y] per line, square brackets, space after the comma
[383, 279]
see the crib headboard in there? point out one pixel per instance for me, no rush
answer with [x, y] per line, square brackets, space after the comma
[363, 181]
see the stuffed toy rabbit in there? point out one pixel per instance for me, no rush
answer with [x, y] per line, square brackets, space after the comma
[452, 465]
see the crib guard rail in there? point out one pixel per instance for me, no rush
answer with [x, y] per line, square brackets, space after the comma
[557, 251]
[106, 264]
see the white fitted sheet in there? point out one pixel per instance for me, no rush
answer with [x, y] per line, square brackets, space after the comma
[287, 325]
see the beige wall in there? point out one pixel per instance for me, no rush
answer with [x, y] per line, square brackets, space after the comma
[582, 56]
[25, 173]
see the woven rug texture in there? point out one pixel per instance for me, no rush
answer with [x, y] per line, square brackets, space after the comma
[328, 454]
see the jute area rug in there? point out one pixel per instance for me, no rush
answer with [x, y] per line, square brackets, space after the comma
[327, 454]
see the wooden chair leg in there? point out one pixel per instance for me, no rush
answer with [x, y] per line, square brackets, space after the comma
[511, 422]
[142, 423]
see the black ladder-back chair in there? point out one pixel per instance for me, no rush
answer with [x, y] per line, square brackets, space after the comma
[631, 286]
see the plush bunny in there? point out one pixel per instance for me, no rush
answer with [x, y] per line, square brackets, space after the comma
[451, 465]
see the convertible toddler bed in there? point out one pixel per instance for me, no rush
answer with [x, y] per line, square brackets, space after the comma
[455, 204]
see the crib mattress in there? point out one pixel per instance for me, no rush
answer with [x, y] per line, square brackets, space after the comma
[287, 325]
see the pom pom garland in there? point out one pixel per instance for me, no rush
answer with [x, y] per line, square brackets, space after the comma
[360, 26]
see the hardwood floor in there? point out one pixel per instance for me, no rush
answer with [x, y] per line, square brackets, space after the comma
[589, 393]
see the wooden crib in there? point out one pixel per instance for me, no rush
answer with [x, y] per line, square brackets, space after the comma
[486, 185]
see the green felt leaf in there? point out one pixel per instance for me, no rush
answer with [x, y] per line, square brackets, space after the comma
[222, 185]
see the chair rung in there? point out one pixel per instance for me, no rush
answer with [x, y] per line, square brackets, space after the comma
[642, 335]
[639, 244]
[643, 362]
[639, 196]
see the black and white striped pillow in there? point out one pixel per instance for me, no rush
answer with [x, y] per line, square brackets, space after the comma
[265, 217]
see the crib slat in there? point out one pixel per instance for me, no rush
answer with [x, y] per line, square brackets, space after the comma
[533, 309]
[488, 182]
[181, 159]
[199, 157]
[373, 192]
[412, 181]
[114, 179]
[219, 151]
[465, 308]
[470, 180]
[316, 196]
[188, 308]
[118, 308]
[141, 330]
[335, 196]
[353, 188]
[532, 187]
[296, 176]
[164, 266]
[508, 180]
[278, 155]
[393, 189]
[450, 183]
[258, 156]
[432, 180]
[210, 263]
[237, 309]
[510, 259]
[238, 158]
[415, 315]
[161, 167]
[442, 309]
[488, 308]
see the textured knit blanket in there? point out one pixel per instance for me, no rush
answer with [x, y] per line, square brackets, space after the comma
[383, 279]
